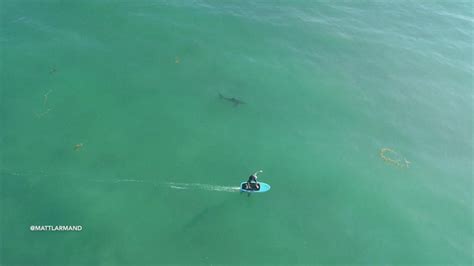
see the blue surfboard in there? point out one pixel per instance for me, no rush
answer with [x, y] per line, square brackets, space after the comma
[264, 187]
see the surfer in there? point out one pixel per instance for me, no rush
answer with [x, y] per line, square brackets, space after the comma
[252, 183]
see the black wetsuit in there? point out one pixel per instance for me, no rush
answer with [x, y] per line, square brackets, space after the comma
[252, 182]
[252, 179]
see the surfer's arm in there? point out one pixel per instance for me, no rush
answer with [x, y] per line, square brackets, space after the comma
[259, 171]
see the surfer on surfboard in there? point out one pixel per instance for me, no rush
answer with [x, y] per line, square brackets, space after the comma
[252, 183]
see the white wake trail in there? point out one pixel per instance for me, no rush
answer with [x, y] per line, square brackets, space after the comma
[130, 180]
[198, 186]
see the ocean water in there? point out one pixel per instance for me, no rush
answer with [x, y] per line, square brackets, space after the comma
[359, 113]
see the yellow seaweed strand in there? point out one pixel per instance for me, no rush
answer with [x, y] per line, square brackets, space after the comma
[403, 163]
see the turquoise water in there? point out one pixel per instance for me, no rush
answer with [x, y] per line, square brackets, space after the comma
[154, 176]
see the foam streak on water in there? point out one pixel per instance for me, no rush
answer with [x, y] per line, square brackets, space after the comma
[172, 185]
[205, 187]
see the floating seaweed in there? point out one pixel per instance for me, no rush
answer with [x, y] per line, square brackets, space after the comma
[78, 146]
[393, 157]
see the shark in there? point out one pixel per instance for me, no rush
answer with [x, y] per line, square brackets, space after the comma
[233, 100]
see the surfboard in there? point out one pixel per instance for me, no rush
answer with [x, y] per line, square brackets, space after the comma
[264, 187]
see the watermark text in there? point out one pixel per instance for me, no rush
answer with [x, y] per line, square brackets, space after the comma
[54, 228]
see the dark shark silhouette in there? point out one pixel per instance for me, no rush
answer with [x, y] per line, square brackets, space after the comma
[233, 100]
